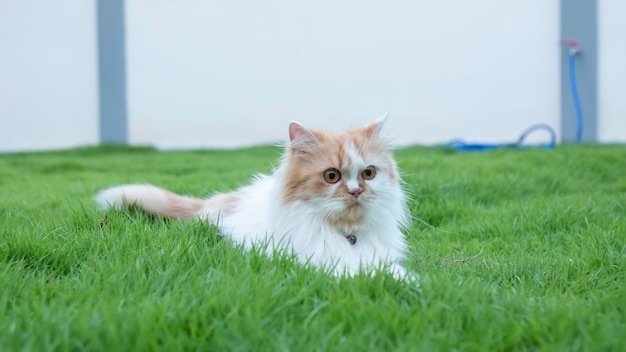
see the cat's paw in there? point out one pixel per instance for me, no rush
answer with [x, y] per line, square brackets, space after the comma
[400, 273]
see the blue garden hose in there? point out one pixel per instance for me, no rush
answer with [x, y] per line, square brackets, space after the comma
[574, 89]
[461, 145]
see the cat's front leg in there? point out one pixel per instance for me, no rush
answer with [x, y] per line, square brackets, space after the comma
[400, 273]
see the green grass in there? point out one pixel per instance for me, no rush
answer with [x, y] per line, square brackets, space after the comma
[524, 250]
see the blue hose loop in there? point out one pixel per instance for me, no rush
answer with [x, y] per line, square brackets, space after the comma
[539, 126]
[461, 145]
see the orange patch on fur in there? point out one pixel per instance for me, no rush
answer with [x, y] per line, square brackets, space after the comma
[223, 203]
[352, 218]
[304, 178]
[181, 207]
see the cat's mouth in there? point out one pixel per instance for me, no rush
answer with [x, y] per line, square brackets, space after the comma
[354, 204]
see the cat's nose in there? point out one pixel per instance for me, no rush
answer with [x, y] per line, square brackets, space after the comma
[356, 192]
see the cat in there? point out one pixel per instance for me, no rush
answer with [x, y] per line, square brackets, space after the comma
[336, 202]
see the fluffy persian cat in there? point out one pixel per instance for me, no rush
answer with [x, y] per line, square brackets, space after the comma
[335, 202]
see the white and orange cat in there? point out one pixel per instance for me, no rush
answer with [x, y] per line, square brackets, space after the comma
[335, 202]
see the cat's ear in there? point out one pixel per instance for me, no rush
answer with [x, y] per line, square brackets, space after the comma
[302, 140]
[375, 128]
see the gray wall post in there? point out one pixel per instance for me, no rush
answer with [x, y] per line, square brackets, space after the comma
[579, 23]
[112, 71]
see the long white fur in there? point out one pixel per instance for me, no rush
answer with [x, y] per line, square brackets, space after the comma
[261, 217]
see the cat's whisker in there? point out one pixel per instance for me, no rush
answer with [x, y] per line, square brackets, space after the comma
[423, 222]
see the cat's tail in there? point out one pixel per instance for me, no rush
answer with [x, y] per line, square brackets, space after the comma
[151, 199]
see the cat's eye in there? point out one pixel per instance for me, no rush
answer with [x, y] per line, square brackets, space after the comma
[369, 173]
[332, 175]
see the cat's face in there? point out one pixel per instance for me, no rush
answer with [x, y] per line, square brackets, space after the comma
[344, 177]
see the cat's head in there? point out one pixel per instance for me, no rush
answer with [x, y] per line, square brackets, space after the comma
[346, 178]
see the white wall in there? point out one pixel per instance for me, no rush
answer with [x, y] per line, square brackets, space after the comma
[48, 74]
[611, 71]
[235, 72]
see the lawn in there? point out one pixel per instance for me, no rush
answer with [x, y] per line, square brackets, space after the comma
[517, 250]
